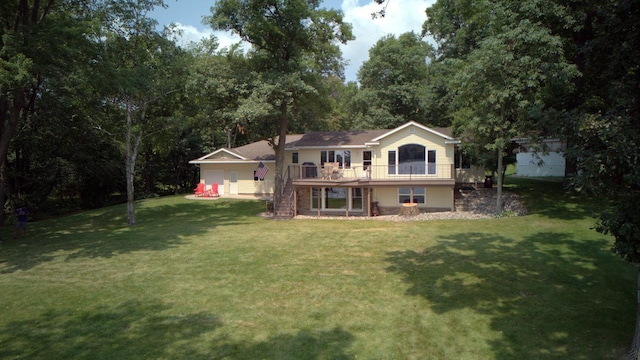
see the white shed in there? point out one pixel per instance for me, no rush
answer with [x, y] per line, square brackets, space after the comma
[551, 163]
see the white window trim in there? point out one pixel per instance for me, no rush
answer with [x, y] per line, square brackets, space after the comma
[349, 198]
[424, 195]
[426, 163]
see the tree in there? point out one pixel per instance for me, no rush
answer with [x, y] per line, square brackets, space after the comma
[218, 81]
[504, 83]
[31, 61]
[394, 82]
[458, 26]
[292, 40]
[138, 64]
[605, 135]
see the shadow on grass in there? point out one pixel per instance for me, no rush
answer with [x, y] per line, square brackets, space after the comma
[548, 296]
[132, 330]
[103, 233]
[305, 344]
[553, 199]
[136, 330]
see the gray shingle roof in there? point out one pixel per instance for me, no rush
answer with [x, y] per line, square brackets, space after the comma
[337, 138]
[346, 138]
[262, 150]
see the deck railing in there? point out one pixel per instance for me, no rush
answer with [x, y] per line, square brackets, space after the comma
[375, 172]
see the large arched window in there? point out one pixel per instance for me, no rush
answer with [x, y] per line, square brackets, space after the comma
[411, 159]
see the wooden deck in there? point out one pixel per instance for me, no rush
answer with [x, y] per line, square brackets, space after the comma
[441, 175]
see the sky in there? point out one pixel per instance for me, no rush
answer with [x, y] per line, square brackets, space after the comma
[401, 16]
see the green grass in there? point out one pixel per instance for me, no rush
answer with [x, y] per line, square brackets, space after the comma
[211, 280]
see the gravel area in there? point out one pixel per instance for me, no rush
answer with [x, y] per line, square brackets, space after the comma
[471, 203]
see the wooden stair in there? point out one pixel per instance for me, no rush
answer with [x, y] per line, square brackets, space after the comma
[284, 209]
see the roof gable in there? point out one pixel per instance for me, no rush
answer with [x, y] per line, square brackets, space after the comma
[254, 152]
[441, 132]
[223, 154]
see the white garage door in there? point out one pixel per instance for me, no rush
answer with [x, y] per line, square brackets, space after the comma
[214, 176]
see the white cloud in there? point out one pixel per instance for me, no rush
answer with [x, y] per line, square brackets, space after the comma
[192, 34]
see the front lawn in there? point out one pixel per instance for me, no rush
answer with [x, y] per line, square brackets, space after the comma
[211, 280]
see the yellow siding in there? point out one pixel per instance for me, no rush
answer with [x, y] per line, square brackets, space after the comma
[386, 196]
[246, 185]
[305, 156]
[444, 152]
[439, 197]
[313, 156]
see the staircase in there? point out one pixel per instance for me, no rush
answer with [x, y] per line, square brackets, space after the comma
[284, 209]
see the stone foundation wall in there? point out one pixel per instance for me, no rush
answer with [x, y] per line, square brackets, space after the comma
[304, 202]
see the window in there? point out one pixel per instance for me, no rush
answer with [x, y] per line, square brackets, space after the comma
[366, 164]
[411, 159]
[294, 158]
[336, 198]
[255, 177]
[356, 199]
[327, 156]
[431, 162]
[366, 159]
[315, 198]
[405, 194]
[342, 157]
[392, 162]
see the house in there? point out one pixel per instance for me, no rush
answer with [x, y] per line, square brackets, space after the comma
[348, 172]
[536, 163]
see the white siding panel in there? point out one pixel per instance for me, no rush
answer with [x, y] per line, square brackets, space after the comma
[528, 164]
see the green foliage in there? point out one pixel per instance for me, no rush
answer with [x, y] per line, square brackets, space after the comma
[507, 80]
[606, 152]
[508, 69]
[604, 134]
[623, 222]
[608, 158]
[46, 53]
[285, 31]
[142, 67]
[394, 87]
[293, 42]
[458, 26]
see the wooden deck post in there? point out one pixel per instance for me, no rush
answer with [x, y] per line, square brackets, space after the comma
[453, 198]
[346, 208]
[368, 201]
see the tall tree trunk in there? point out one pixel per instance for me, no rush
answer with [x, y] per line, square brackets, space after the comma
[634, 351]
[499, 181]
[131, 152]
[282, 140]
[131, 211]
